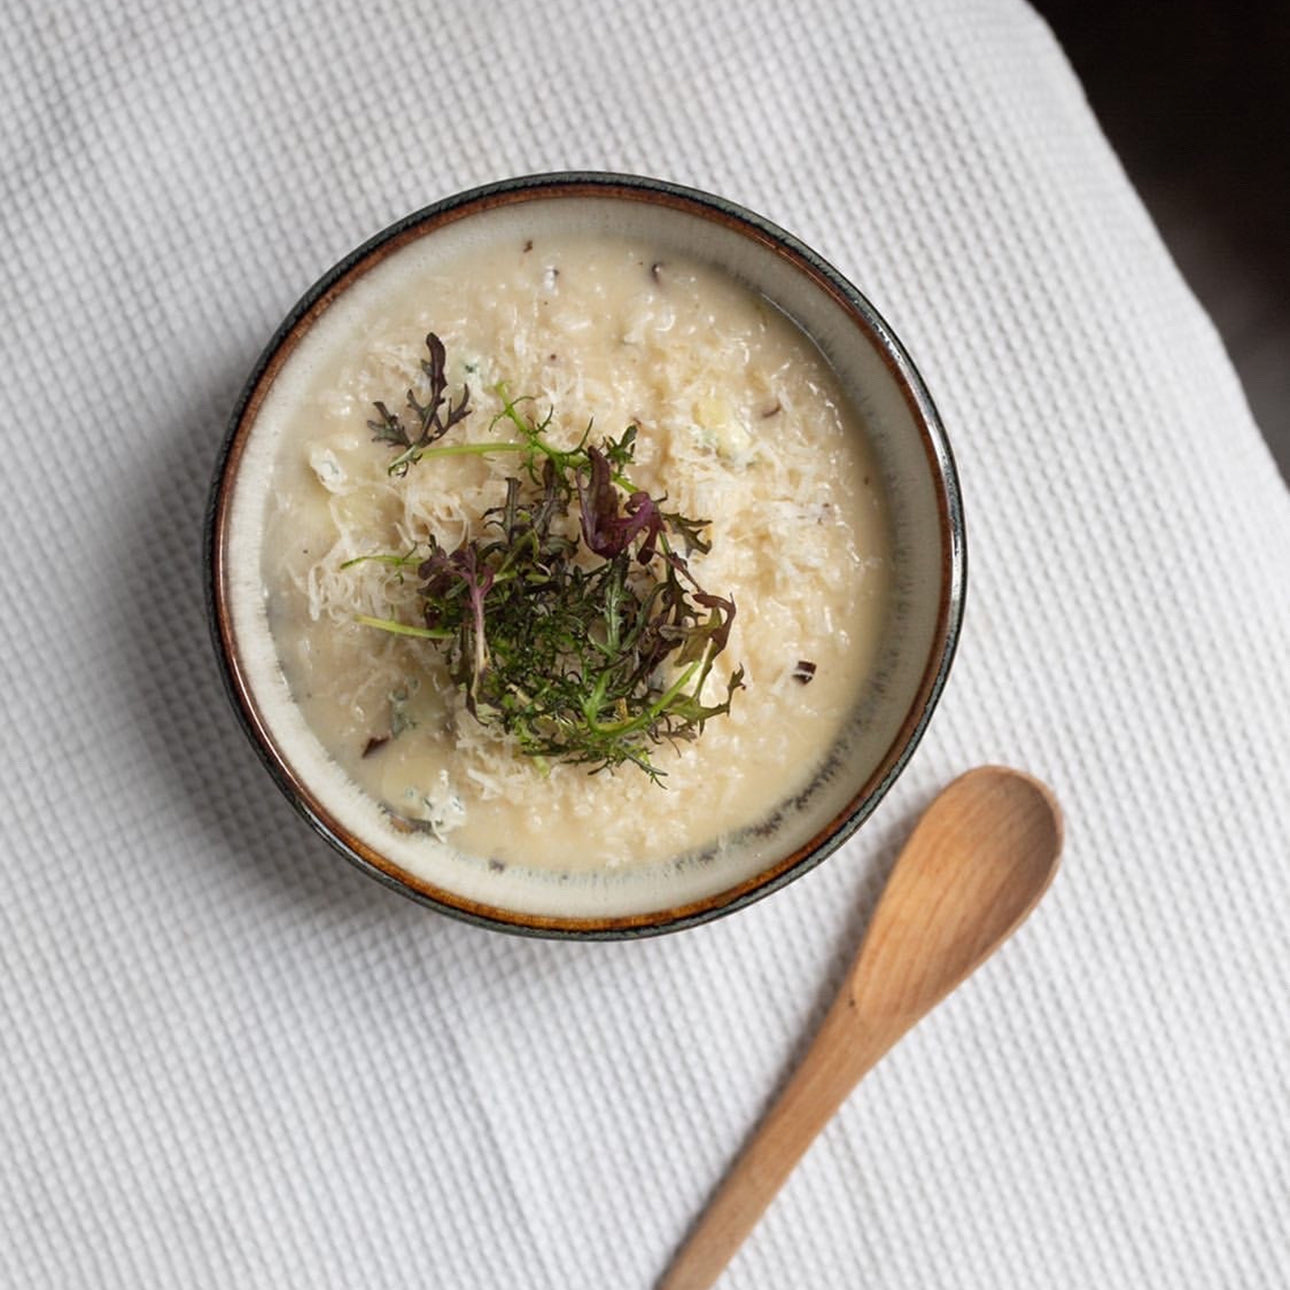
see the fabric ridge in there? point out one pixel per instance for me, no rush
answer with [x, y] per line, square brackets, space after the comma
[228, 1059]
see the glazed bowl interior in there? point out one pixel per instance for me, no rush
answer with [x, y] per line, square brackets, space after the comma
[906, 444]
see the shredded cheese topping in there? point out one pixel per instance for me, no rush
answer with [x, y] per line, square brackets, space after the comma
[740, 422]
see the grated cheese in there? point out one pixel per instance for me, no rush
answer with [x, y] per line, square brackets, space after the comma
[740, 422]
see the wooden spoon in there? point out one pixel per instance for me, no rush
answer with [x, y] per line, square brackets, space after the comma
[976, 865]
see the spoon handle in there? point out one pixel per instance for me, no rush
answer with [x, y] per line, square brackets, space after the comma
[839, 1056]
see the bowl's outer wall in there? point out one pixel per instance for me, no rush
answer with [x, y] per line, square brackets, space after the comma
[826, 278]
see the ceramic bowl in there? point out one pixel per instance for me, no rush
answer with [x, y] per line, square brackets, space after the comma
[907, 443]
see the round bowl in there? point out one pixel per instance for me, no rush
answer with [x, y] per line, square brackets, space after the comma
[922, 617]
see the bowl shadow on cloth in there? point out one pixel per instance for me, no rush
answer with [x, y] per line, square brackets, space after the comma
[168, 678]
[225, 809]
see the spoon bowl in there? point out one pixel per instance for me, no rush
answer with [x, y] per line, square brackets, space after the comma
[974, 867]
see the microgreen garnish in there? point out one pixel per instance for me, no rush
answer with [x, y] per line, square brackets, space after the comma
[427, 423]
[594, 662]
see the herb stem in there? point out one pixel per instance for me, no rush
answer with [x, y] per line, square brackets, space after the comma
[398, 561]
[477, 448]
[404, 629]
[656, 709]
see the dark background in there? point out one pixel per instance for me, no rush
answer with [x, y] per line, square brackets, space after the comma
[1195, 98]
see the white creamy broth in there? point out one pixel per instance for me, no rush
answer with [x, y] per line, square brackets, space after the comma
[740, 422]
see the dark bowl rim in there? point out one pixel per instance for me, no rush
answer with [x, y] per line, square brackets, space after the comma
[564, 184]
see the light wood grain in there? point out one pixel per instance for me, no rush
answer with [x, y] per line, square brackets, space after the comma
[975, 866]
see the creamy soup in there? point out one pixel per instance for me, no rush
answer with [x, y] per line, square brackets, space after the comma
[739, 422]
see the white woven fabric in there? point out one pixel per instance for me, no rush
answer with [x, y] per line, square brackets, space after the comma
[227, 1059]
